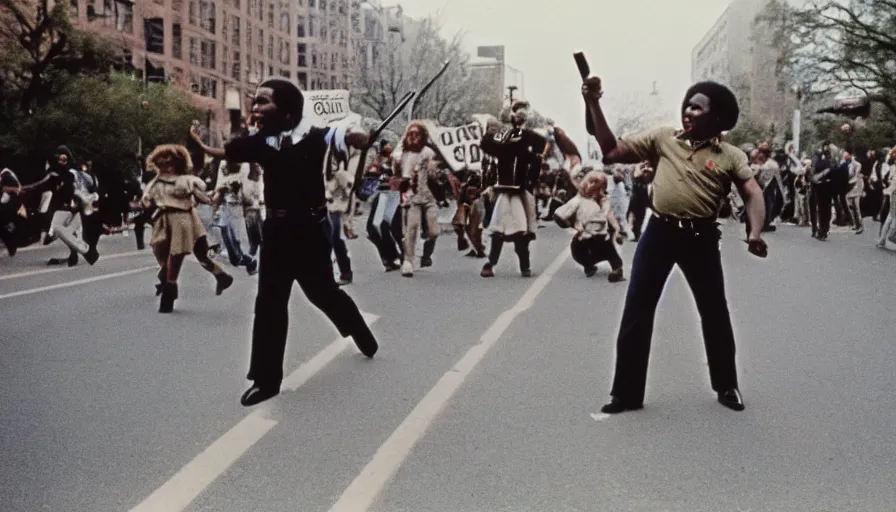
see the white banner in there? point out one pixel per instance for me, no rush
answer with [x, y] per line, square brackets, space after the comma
[324, 107]
[459, 145]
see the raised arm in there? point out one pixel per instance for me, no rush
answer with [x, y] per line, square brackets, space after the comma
[567, 147]
[214, 152]
[614, 151]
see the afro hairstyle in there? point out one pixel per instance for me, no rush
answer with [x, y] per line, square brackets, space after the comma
[722, 103]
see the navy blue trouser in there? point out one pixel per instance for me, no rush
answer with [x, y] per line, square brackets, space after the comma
[662, 246]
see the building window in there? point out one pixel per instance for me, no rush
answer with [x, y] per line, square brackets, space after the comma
[194, 52]
[323, 5]
[333, 82]
[332, 62]
[313, 58]
[271, 15]
[300, 26]
[235, 29]
[303, 80]
[73, 9]
[310, 3]
[208, 87]
[154, 30]
[207, 54]
[235, 65]
[284, 51]
[301, 55]
[176, 41]
[270, 47]
[284, 22]
[260, 42]
[193, 12]
[311, 26]
[270, 70]
[323, 32]
[124, 21]
[285, 73]
[207, 15]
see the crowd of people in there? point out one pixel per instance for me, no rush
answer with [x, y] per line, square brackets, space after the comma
[281, 199]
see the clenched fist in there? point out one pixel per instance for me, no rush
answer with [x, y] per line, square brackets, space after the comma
[591, 89]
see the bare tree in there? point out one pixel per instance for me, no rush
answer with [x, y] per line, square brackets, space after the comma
[633, 111]
[39, 44]
[828, 46]
[399, 67]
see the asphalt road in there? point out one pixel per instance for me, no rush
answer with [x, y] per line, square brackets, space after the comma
[484, 395]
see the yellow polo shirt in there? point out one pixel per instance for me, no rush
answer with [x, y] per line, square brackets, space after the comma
[688, 183]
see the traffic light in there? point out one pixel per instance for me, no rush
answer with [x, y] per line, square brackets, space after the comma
[852, 108]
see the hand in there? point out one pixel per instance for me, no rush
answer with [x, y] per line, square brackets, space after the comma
[620, 238]
[591, 89]
[194, 132]
[757, 246]
[643, 172]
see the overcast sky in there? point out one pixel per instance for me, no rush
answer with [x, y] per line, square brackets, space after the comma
[629, 44]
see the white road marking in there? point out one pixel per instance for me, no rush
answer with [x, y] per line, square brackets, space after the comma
[365, 488]
[178, 492]
[186, 485]
[66, 267]
[76, 283]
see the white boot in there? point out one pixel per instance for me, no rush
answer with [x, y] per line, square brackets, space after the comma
[407, 269]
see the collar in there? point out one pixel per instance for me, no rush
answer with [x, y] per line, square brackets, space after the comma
[299, 132]
[715, 142]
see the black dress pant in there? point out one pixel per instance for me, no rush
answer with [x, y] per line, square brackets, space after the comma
[520, 246]
[295, 250]
[591, 251]
[820, 202]
[662, 246]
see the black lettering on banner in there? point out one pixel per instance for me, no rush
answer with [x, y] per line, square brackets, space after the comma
[459, 154]
[324, 107]
[462, 134]
[446, 139]
[475, 154]
[475, 131]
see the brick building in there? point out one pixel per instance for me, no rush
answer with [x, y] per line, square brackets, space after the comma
[219, 50]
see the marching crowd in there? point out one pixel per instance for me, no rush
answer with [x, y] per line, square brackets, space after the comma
[213, 203]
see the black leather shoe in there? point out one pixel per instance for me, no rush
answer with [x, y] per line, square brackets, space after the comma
[616, 406]
[365, 342]
[731, 399]
[92, 256]
[258, 393]
[223, 282]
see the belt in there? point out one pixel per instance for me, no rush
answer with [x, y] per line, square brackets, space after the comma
[296, 213]
[695, 225]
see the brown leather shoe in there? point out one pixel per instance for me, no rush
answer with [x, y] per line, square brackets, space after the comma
[487, 271]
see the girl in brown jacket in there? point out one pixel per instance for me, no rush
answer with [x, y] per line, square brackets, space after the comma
[177, 229]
